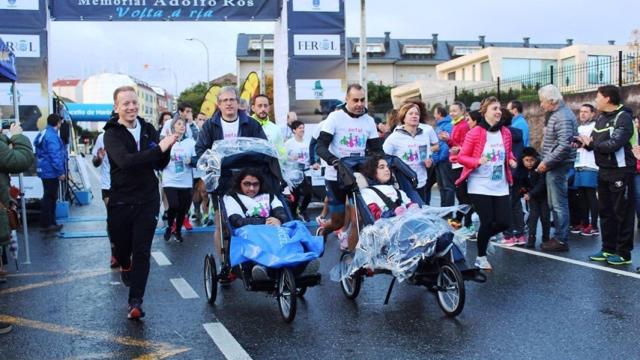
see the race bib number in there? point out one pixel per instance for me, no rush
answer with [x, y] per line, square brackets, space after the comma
[496, 174]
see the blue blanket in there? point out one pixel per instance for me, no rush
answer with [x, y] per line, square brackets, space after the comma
[275, 246]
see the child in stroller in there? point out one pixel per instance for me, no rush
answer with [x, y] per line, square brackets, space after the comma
[250, 203]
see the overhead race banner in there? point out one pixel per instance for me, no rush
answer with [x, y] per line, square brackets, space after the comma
[162, 10]
[316, 70]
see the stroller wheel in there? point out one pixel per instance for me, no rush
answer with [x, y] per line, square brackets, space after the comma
[287, 293]
[350, 285]
[450, 289]
[210, 279]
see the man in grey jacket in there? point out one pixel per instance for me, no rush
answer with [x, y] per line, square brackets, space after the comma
[557, 158]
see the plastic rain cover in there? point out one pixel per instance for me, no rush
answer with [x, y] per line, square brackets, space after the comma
[399, 243]
[210, 162]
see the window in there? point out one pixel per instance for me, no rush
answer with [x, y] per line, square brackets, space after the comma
[485, 71]
[254, 44]
[417, 50]
[373, 48]
[567, 71]
[599, 69]
[534, 70]
[464, 50]
[451, 75]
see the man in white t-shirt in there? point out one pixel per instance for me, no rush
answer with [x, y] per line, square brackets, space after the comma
[227, 123]
[349, 131]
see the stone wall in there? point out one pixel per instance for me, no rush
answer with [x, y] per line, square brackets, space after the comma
[535, 116]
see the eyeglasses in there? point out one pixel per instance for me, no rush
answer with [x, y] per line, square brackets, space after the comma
[250, 184]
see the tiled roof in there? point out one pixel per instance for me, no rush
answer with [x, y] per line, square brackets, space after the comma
[443, 49]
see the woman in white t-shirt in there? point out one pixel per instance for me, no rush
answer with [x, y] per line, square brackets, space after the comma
[177, 180]
[412, 143]
[250, 203]
[487, 160]
[298, 151]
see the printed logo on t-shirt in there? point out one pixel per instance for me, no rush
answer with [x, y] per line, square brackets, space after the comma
[353, 141]
[261, 206]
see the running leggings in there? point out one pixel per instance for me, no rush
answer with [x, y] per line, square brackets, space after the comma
[495, 217]
[179, 202]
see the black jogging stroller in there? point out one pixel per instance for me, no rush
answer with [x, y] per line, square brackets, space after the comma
[285, 283]
[438, 265]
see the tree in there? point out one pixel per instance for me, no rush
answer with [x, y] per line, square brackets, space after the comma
[379, 97]
[194, 96]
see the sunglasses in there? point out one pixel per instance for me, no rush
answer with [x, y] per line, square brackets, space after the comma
[251, 184]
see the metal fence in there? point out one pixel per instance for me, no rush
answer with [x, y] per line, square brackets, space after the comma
[620, 70]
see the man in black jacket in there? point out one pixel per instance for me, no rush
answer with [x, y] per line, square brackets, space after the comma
[134, 153]
[611, 145]
[227, 123]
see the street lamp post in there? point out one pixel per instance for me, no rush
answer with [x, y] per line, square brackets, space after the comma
[207, 50]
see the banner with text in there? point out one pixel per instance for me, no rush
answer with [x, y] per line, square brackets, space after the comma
[30, 49]
[316, 71]
[161, 10]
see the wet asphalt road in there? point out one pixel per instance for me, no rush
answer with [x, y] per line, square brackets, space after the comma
[68, 305]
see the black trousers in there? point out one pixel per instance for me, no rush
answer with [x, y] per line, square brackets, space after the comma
[463, 198]
[131, 228]
[588, 206]
[179, 200]
[616, 194]
[495, 217]
[539, 209]
[302, 196]
[48, 203]
[517, 214]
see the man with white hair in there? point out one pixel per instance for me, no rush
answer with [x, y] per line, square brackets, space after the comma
[557, 158]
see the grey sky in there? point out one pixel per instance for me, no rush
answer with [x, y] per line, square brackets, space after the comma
[79, 49]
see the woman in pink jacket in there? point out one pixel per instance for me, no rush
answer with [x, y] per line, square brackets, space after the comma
[487, 159]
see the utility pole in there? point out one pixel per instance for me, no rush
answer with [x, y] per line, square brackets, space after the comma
[262, 84]
[363, 46]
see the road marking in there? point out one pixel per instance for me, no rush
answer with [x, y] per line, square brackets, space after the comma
[160, 258]
[55, 282]
[572, 261]
[161, 350]
[227, 344]
[184, 289]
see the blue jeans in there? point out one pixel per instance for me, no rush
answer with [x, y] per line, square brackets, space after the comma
[557, 197]
[444, 177]
[637, 195]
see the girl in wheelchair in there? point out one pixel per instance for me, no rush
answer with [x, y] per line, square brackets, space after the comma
[380, 195]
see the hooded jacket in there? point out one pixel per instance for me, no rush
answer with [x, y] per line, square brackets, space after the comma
[212, 131]
[133, 179]
[612, 136]
[442, 155]
[51, 154]
[473, 147]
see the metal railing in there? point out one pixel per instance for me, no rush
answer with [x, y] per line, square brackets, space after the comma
[620, 70]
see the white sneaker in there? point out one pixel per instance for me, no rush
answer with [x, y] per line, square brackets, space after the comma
[259, 273]
[483, 263]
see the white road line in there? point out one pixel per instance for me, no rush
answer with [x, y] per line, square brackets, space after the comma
[160, 258]
[184, 289]
[227, 344]
[571, 261]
